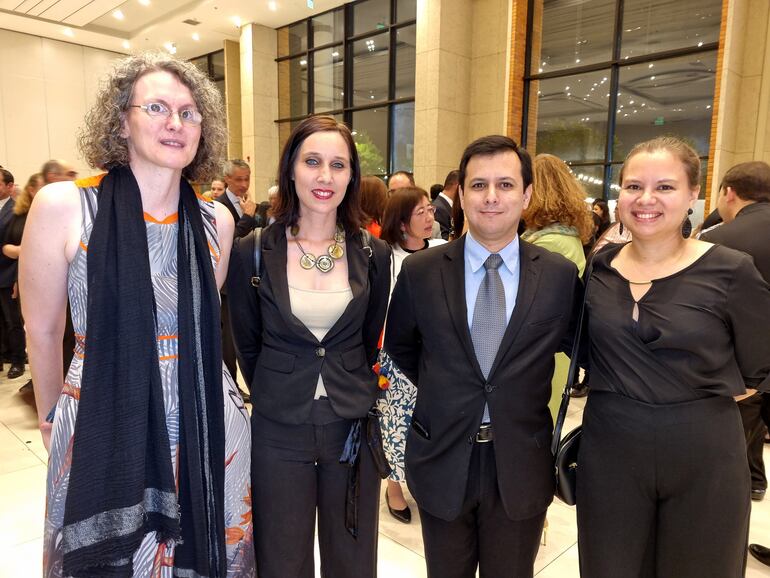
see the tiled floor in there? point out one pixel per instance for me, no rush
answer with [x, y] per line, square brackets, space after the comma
[22, 497]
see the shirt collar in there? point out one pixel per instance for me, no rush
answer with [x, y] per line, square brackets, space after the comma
[446, 198]
[477, 253]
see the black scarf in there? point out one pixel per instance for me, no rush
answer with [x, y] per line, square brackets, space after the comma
[121, 483]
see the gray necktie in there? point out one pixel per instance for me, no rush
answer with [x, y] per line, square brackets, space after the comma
[489, 319]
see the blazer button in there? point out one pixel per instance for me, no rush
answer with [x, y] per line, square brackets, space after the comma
[489, 388]
[320, 352]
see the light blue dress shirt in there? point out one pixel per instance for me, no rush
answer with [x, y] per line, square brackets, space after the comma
[475, 255]
[237, 203]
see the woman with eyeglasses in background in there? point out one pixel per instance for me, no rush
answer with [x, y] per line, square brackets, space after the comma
[407, 225]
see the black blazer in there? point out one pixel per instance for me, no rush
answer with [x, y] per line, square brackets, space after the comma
[429, 339]
[281, 357]
[8, 266]
[748, 232]
[443, 216]
[243, 225]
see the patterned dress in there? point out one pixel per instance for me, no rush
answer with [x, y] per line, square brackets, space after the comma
[151, 560]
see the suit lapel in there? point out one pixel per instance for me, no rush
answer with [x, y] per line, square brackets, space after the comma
[358, 271]
[229, 204]
[274, 258]
[529, 275]
[453, 279]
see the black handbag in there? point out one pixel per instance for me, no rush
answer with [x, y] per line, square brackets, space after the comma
[565, 451]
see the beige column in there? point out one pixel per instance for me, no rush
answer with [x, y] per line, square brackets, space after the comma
[442, 91]
[233, 99]
[259, 106]
[743, 89]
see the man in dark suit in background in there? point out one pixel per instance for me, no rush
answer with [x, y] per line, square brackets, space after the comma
[444, 202]
[12, 330]
[475, 324]
[237, 176]
[744, 205]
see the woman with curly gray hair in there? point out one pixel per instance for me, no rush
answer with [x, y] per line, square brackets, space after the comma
[149, 469]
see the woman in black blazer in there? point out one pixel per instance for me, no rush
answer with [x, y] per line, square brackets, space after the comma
[307, 340]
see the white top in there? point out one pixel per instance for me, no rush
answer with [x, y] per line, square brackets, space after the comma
[319, 311]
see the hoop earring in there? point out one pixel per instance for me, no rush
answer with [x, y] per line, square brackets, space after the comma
[687, 225]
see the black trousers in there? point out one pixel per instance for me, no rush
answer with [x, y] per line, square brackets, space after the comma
[754, 430]
[663, 490]
[228, 345]
[13, 327]
[482, 536]
[296, 473]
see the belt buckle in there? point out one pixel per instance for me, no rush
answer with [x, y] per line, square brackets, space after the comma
[484, 435]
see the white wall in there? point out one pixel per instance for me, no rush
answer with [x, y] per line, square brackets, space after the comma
[46, 87]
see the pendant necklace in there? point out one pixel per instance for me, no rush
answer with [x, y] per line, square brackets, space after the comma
[323, 263]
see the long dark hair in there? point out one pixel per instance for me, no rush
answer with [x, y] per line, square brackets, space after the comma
[349, 212]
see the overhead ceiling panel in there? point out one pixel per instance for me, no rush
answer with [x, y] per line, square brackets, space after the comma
[40, 6]
[62, 9]
[24, 7]
[92, 11]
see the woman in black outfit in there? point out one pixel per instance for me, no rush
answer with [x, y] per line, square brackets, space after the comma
[678, 328]
[307, 339]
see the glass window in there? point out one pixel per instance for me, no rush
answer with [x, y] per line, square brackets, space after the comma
[218, 64]
[292, 87]
[328, 28]
[371, 70]
[650, 27]
[370, 132]
[298, 37]
[591, 177]
[202, 64]
[574, 34]
[672, 96]
[370, 15]
[402, 143]
[406, 10]
[572, 116]
[328, 79]
[405, 61]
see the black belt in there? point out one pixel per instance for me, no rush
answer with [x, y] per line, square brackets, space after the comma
[485, 434]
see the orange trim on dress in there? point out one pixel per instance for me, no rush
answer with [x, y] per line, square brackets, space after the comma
[84, 247]
[163, 337]
[86, 182]
[165, 357]
[214, 253]
[167, 221]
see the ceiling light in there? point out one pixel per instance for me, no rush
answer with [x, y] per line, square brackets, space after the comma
[196, 36]
[126, 44]
[335, 54]
[272, 6]
[170, 47]
[144, 2]
[237, 21]
[118, 14]
[68, 32]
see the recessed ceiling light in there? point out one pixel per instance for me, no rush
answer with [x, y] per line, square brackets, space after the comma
[237, 21]
[170, 47]
[196, 36]
[144, 2]
[68, 32]
[126, 44]
[118, 14]
[272, 6]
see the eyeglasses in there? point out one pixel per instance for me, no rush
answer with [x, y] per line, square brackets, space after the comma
[188, 116]
[430, 209]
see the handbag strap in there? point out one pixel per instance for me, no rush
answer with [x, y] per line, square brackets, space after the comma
[573, 367]
[256, 238]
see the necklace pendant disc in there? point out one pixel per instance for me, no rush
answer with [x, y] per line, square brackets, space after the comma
[335, 251]
[324, 263]
[339, 235]
[307, 261]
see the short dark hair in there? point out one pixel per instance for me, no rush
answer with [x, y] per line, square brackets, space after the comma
[407, 174]
[750, 181]
[7, 176]
[398, 211]
[492, 145]
[435, 191]
[349, 211]
[452, 178]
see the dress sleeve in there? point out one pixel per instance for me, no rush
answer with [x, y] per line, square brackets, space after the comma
[748, 309]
